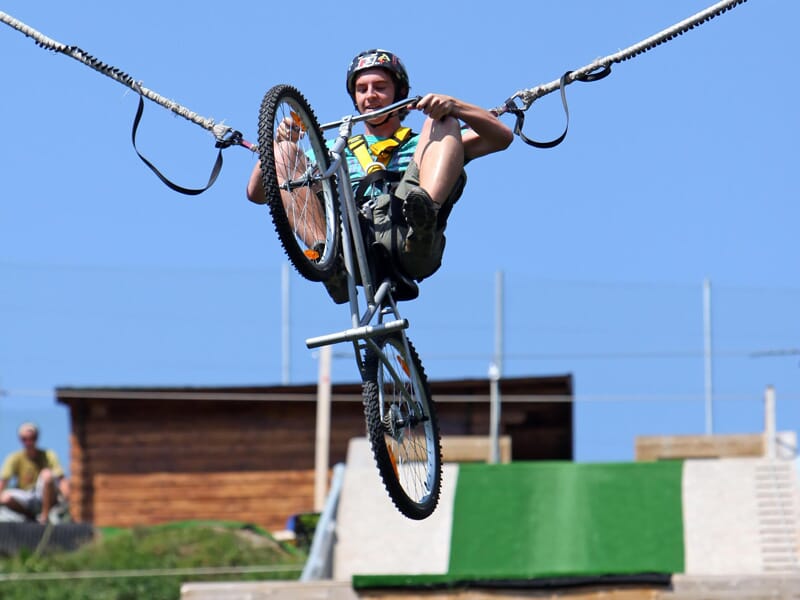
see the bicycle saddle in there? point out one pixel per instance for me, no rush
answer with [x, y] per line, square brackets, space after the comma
[404, 287]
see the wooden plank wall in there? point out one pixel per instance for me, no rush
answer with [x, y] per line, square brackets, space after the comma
[137, 465]
[665, 447]
[537, 429]
[265, 498]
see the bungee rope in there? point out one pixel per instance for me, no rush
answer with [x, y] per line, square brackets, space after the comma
[225, 136]
[599, 69]
[516, 104]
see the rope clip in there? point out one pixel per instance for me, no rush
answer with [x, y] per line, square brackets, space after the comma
[227, 138]
[512, 107]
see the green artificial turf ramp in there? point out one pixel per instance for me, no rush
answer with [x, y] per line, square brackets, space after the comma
[538, 520]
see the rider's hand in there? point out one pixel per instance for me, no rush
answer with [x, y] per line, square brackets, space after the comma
[437, 106]
[288, 130]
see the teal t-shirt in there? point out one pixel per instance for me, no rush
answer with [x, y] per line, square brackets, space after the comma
[401, 157]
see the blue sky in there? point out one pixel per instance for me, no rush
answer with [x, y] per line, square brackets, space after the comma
[679, 166]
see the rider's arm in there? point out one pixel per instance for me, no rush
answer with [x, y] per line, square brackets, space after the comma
[255, 191]
[286, 131]
[486, 133]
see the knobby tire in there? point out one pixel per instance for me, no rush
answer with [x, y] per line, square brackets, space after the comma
[413, 485]
[308, 223]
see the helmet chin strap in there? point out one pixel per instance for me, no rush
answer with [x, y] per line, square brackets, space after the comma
[389, 116]
[398, 96]
[385, 120]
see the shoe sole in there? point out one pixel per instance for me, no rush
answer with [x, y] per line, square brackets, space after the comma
[420, 215]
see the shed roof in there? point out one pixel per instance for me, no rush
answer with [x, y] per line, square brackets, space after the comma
[553, 388]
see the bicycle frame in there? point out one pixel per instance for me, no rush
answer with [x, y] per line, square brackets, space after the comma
[379, 301]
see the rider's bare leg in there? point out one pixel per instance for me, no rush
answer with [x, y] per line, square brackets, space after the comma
[302, 206]
[440, 157]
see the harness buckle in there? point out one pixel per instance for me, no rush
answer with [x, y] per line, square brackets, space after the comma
[374, 167]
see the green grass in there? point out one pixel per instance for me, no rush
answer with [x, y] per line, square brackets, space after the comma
[174, 546]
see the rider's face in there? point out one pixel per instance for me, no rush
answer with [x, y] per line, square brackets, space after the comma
[374, 89]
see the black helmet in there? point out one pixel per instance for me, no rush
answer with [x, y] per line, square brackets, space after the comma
[382, 59]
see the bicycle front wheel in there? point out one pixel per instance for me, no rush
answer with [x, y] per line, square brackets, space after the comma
[303, 204]
[402, 426]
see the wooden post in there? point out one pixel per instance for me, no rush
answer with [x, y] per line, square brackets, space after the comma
[321, 454]
[769, 423]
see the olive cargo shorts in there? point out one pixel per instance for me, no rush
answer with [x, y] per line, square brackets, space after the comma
[391, 229]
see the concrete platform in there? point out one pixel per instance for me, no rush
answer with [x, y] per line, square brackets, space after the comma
[373, 537]
[740, 517]
[772, 587]
[269, 590]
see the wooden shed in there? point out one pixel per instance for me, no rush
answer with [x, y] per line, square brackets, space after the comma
[141, 456]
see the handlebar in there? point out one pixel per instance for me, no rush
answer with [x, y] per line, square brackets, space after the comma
[371, 115]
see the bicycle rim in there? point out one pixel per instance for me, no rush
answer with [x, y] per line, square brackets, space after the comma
[304, 207]
[406, 448]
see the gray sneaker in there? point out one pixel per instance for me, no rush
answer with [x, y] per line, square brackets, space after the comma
[420, 212]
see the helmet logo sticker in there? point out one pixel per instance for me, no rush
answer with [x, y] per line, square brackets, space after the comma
[365, 62]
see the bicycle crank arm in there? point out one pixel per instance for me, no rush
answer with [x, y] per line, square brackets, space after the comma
[357, 333]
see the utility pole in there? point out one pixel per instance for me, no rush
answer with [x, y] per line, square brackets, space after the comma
[285, 315]
[496, 372]
[707, 354]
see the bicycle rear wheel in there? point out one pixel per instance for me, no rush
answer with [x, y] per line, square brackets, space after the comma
[403, 430]
[304, 206]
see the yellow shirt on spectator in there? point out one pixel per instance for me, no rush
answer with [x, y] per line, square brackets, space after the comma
[26, 470]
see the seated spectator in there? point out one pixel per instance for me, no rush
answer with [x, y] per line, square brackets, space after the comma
[38, 476]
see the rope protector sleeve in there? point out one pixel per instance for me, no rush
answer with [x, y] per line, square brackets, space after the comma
[188, 191]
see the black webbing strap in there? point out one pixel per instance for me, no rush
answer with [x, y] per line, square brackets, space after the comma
[189, 192]
[381, 177]
[520, 114]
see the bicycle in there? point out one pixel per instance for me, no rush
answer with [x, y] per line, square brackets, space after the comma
[317, 219]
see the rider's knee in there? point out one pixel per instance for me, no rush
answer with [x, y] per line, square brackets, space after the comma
[438, 129]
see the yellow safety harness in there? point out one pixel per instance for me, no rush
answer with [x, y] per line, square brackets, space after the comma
[376, 157]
